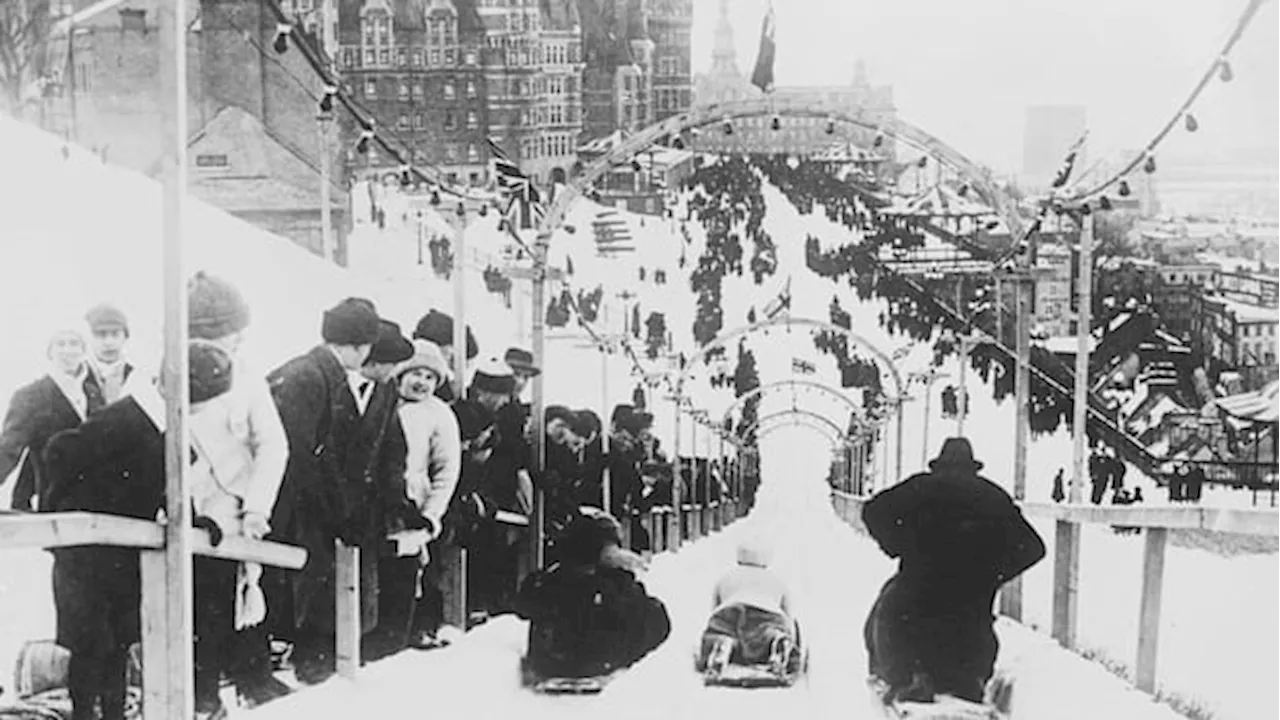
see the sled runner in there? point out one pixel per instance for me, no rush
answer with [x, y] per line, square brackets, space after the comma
[572, 686]
[751, 676]
[944, 707]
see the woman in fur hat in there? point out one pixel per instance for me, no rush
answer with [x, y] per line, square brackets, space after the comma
[433, 461]
[958, 537]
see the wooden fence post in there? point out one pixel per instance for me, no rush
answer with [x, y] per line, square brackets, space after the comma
[155, 635]
[1149, 611]
[347, 606]
[453, 578]
[1066, 578]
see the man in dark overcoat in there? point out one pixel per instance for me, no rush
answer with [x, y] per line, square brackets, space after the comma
[322, 498]
[114, 464]
[958, 537]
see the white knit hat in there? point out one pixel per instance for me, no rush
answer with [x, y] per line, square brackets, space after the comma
[426, 354]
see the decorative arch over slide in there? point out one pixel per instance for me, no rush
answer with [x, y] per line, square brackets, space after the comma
[977, 176]
[798, 412]
[779, 384]
[819, 428]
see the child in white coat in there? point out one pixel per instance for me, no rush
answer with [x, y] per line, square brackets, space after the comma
[751, 621]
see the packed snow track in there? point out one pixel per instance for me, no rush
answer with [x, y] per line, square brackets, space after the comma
[834, 573]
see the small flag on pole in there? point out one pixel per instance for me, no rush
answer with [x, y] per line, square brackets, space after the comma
[524, 203]
[762, 76]
[779, 303]
[802, 367]
[1069, 162]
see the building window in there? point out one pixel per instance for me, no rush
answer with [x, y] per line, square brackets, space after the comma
[370, 57]
[450, 122]
[473, 153]
[417, 90]
[449, 56]
[471, 57]
[471, 89]
[473, 120]
[371, 88]
[451, 154]
[420, 121]
[404, 89]
[404, 122]
[384, 56]
[435, 57]
[402, 57]
[449, 92]
[420, 157]
[416, 58]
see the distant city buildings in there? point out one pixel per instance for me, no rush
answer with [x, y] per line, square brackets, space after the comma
[724, 82]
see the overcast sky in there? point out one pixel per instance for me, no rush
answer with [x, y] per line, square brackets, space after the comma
[965, 70]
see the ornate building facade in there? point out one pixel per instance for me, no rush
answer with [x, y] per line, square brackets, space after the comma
[725, 82]
[670, 27]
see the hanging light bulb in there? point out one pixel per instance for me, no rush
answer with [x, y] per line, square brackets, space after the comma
[281, 43]
[923, 161]
[1192, 125]
[461, 210]
[728, 127]
[326, 101]
[775, 123]
[406, 176]
[1104, 203]
[1085, 210]
[484, 210]
[362, 145]
[878, 141]
[678, 143]
[1124, 190]
[1224, 70]
[435, 197]
[964, 190]
[1150, 165]
[831, 126]
[635, 165]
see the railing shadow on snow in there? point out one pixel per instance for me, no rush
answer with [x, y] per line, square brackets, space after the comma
[46, 531]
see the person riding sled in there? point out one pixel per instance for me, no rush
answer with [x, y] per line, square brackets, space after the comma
[958, 537]
[751, 622]
[588, 614]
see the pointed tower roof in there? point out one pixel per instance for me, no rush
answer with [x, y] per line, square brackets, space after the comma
[724, 56]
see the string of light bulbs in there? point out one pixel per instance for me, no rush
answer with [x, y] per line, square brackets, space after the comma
[1220, 68]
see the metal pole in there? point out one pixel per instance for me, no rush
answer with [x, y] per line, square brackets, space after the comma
[1080, 448]
[539, 311]
[327, 244]
[606, 491]
[897, 449]
[676, 500]
[1022, 387]
[460, 298]
[178, 665]
[964, 392]
[924, 443]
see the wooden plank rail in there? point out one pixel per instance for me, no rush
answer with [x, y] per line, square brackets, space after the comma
[55, 530]
[1156, 523]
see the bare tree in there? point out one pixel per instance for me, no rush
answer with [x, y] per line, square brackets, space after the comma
[24, 36]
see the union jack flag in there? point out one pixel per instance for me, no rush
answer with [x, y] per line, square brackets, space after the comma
[524, 206]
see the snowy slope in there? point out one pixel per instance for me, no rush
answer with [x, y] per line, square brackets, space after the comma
[835, 575]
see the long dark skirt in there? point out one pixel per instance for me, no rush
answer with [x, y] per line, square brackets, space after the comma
[944, 632]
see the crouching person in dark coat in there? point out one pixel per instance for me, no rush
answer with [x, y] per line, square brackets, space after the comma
[113, 463]
[958, 538]
[588, 614]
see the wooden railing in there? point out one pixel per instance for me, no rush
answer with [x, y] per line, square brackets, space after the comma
[1155, 523]
[46, 531]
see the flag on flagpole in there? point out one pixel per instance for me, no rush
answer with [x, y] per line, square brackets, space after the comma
[524, 208]
[1069, 163]
[762, 76]
[779, 303]
[802, 367]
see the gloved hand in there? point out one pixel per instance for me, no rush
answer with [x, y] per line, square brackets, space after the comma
[255, 525]
[205, 522]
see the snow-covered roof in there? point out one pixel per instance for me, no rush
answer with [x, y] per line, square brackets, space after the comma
[1257, 406]
[1246, 313]
[938, 201]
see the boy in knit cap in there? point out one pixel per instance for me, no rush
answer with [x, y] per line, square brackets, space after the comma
[322, 497]
[241, 452]
[751, 621]
[109, 329]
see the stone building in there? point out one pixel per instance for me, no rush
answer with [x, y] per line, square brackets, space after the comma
[617, 80]
[670, 28]
[241, 93]
[416, 66]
